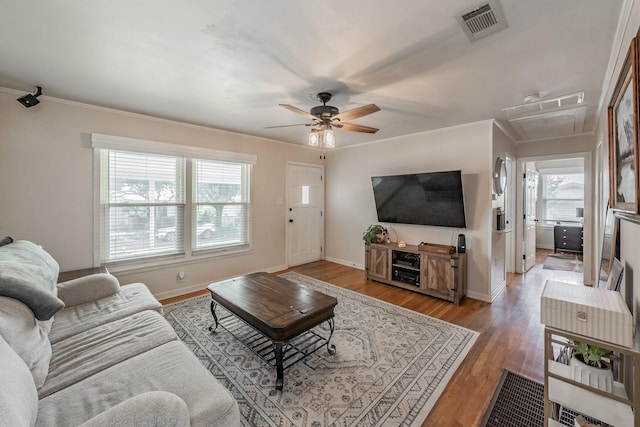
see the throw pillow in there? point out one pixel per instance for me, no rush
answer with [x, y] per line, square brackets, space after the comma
[6, 240]
[29, 274]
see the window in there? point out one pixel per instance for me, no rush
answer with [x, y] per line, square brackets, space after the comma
[562, 194]
[221, 199]
[161, 201]
[142, 205]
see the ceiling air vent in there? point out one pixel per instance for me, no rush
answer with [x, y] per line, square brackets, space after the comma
[483, 20]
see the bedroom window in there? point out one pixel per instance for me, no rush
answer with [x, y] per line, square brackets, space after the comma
[562, 193]
[160, 203]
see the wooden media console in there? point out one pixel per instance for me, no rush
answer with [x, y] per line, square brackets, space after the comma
[441, 275]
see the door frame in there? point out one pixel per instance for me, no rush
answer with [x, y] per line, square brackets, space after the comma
[588, 203]
[286, 207]
[511, 201]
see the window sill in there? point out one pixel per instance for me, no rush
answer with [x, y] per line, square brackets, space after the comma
[131, 267]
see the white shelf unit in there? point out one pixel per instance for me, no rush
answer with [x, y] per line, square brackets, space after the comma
[620, 408]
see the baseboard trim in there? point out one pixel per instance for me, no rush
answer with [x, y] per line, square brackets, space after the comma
[498, 290]
[181, 291]
[478, 296]
[345, 262]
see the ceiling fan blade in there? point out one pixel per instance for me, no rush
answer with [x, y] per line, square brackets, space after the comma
[299, 111]
[356, 112]
[355, 128]
[288, 126]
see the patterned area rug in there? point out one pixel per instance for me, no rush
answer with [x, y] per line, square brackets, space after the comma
[390, 367]
[563, 262]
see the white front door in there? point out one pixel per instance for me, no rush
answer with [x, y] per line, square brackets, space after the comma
[304, 216]
[530, 218]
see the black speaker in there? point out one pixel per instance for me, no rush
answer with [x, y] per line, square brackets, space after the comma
[462, 244]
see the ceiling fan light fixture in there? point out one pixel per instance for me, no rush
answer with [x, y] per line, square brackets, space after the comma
[328, 138]
[314, 138]
[324, 117]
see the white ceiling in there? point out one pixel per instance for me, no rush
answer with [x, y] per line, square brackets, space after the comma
[228, 64]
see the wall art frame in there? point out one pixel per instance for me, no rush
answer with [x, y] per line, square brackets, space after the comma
[623, 114]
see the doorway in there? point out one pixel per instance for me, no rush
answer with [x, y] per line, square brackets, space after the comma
[564, 198]
[304, 213]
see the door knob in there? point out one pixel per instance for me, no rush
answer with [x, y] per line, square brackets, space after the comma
[290, 220]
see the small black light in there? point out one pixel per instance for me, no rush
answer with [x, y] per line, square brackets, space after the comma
[29, 100]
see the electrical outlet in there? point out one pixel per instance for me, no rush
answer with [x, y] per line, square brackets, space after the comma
[180, 276]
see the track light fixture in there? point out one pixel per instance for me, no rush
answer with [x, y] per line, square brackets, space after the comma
[29, 100]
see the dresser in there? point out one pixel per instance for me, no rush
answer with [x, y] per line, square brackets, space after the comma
[567, 238]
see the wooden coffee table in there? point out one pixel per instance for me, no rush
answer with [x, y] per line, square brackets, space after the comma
[279, 310]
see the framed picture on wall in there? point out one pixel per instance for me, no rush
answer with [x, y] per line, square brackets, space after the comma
[623, 136]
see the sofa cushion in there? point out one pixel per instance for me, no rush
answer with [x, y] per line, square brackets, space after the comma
[170, 367]
[18, 396]
[92, 351]
[29, 274]
[130, 299]
[26, 336]
[150, 409]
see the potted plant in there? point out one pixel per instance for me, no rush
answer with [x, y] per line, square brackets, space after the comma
[374, 234]
[588, 367]
[592, 355]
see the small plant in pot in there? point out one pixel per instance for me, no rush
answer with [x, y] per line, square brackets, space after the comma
[374, 234]
[591, 355]
[588, 367]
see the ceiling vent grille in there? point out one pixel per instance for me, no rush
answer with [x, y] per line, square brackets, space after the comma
[483, 20]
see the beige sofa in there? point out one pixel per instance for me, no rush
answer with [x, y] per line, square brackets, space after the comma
[93, 353]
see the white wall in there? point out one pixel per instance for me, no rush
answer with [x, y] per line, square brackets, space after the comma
[544, 237]
[46, 185]
[351, 209]
[629, 232]
[503, 147]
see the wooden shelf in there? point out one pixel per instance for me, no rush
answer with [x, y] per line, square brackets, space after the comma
[615, 408]
[563, 390]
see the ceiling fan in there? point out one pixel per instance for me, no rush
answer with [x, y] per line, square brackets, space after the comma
[325, 117]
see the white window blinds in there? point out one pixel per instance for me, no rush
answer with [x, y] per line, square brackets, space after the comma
[142, 204]
[221, 204]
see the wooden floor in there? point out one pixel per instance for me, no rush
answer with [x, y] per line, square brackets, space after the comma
[511, 336]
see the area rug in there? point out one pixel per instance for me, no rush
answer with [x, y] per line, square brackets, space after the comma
[390, 367]
[563, 262]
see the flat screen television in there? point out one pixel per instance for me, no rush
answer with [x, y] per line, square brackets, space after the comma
[432, 198]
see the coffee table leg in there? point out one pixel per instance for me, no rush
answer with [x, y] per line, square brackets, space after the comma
[215, 318]
[331, 348]
[279, 366]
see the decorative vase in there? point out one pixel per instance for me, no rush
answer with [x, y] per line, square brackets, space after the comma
[600, 378]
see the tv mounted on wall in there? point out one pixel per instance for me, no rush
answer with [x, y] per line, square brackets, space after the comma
[432, 198]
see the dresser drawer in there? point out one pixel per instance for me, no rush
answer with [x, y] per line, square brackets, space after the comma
[567, 238]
